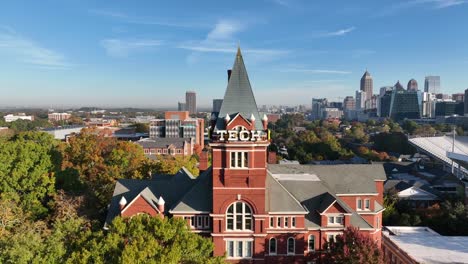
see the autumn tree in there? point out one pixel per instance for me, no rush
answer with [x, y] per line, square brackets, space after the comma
[96, 162]
[146, 239]
[353, 247]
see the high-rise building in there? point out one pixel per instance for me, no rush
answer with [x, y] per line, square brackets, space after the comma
[181, 107]
[385, 89]
[412, 85]
[318, 105]
[367, 85]
[217, 105]
[405, 104]
[428, 105]
[448, 108]
[360, 100]
[191, 102]
[432, 84]
[349, 103]
[466, 102]
[398, 86]
[385, 101]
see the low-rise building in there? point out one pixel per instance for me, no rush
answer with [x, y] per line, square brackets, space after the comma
[167, 146]
[54, 117]
[11, 118]
[411, 244]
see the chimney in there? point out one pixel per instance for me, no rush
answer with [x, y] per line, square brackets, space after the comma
[122, 203]
[229, 74]
[203, 165]
[272, 157]
[161, 203]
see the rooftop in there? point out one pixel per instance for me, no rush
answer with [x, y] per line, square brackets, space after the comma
[425, 245]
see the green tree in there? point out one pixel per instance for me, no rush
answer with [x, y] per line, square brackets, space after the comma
[27, 165]
[146, 239]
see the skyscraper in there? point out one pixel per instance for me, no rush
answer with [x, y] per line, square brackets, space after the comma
[367, 85]
[432, 84]
[398, 86]
[318, 105]
[360, 100]
[191, 102]
[412, 85]
[181, 107]
[217, 105]
[349, 103]
[405, 104]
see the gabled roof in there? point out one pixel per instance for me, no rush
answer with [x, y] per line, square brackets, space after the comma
[199, 198]
[239, 97]
[278, 199]
[163, 142]
[170, 187]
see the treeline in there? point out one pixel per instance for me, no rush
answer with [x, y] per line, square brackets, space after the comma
[53, 200]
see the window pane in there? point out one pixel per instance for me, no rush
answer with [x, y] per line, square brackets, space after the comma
[231, 209]
[273, 245]
[239, 222]
[239, 159]
[248, 223]
[230, 248]
[331, 220]
[359, 204]
[247, 210]
[367, 204]
[271, 222]
[230, 223]
[248, 249]
[233, 159]
[239, 249]
[311, 243]
[285, 222]
[239, 208]
[290, 245]
[278, 222]
[293, 221]
[246, 159]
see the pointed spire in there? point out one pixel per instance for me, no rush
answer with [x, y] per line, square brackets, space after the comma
[227, 118]
[265, 118]
[252, 117]
[239, 54]
[161, 201]
[123, 201]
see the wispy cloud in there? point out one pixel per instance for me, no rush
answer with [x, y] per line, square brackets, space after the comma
[340, 32]
[230, 48]
[122, 48]
[28, 51]
[432, 4]
[316, 71]
[224, 29]
[142, 20]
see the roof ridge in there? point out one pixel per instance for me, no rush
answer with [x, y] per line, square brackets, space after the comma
[290, 194]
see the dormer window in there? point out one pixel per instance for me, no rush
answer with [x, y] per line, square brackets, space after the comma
[335, 220]
[239, 159]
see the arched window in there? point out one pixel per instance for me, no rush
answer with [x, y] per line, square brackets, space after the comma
[272, 246]
[291, 246]
[311, 243]
[239, 217]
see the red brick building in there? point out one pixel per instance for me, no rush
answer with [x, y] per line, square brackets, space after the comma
[257, 212]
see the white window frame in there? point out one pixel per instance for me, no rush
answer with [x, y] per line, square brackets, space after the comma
[293, 221]
[294, 246]
[276, 246]
[286, 222]
[332, 220]
[367, 204]
[245, 216]
[243, 248]
[272, 222]
[308, 243]
[359, 204]
[206, 221]
[278, 222]
[334, 235]
[244, 156]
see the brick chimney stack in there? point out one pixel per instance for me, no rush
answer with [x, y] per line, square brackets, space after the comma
[161, 204]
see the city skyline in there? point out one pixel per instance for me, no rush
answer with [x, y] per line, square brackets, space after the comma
[119, 54]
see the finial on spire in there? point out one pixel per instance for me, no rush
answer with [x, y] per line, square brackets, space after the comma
[238, 49]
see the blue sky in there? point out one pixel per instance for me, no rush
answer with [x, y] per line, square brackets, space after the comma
[148, 53]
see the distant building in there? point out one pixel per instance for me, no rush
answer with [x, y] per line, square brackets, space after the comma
[428, 105]
[167, 146]
[367, 85]
[405, 104]
[360, 100]
[338, 105]
[466, 102]
[458, 97]
[318, 105]
[58, 116]
[191, 102]
[349, 103]
[181, 106]
[398, 86]
[217, 105]
[412, 85]
[385, 101]
[178, 124]
[420, 244]
[432, 84]
[442, 96]
[11, 118]
[385, 89]
[331, 112]
[62, 133]
[449, 108]
[101, 122]
[272, 118]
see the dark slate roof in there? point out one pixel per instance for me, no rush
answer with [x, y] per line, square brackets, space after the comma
[401, 185]
[239, 97]
[316, 186]
[162, 142]
[199, 198]
[278, 199]
[340, 179]
[170, 188]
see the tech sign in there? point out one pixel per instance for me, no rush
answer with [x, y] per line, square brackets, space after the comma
[242, 135]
